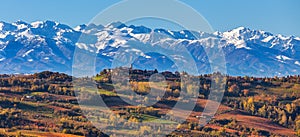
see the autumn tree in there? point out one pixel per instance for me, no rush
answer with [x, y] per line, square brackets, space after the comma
[234, 89]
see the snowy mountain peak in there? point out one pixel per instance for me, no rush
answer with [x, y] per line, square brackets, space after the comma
[237, 33]
[117, 24]
[20, 22]
[36, 24]
[240, 30]
[80, 27]
[7, 27]
[46, 24]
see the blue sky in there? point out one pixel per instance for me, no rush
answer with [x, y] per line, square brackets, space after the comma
[276, 16]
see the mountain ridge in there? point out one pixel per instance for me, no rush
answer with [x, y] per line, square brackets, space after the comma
[48, 45]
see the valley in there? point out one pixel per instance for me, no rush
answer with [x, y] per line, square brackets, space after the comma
[45, 104]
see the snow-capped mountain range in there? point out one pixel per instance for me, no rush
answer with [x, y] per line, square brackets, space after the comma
[47, 45]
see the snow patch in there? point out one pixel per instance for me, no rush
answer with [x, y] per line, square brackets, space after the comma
[36, 24]
[267, 39]
[134, 50]
[82, 46]
[102, 35]
[139, 52]
[77, 28]
[171, 32]
[142, 37]
[118, 42]
[148, 57]
[27, 53]
[27, 34]
[2, 36]
[238, 43]
[235, 33]
[1, 25]
[282, 57]
[282, 37]
[242, 46]
[20, 26]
